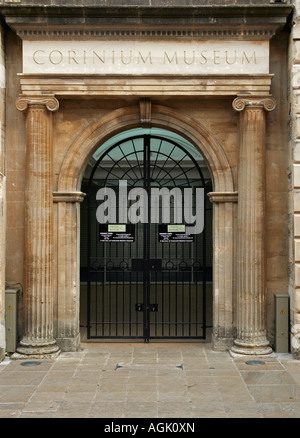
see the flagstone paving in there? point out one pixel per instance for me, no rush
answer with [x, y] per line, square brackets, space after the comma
[150, 381]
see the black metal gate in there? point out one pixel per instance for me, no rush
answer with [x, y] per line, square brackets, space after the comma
[146, 277]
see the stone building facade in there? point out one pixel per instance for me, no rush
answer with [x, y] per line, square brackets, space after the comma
[222, 75]
[293, 69]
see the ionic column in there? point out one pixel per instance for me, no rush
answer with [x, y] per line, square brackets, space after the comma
[251, 322]
[38, 338]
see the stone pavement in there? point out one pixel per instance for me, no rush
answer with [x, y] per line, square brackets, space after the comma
[150, 381]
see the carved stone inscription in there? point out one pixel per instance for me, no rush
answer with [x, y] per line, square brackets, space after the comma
[145, 57]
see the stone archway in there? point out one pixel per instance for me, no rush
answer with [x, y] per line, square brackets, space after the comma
[68, 196]
[126, 118]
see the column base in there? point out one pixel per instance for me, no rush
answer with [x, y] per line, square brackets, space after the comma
[37, 349]
[259, 348]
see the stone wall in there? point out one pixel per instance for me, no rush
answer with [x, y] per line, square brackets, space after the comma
[2, 195]
[294, 189]
[2, 264]
[277, 182]
[15, 171]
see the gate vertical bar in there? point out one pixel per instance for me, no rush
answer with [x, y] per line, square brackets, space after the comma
[147, 273]
[89, 266]
[204, 267]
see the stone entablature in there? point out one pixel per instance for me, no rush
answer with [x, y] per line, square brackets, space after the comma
[67, 86]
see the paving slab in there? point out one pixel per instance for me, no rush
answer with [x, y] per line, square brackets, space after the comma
[150, 381]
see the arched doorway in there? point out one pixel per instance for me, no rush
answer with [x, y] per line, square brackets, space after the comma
[68, 198]
[146, 273]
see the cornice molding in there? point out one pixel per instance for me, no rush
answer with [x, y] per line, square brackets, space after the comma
[90, 19]
[145, 8]
[183, 33]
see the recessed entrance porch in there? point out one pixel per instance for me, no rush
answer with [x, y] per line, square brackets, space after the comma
[151, 278]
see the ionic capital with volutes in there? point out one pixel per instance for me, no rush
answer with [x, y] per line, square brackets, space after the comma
[49, 101]
[267, 103]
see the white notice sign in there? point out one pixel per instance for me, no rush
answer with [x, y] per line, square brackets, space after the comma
[146, 57]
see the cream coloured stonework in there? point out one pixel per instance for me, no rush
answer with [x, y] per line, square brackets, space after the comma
[69, 181]
[137, 58]
[294, 283]
[38, 338]
[251, 294]
[82, 111]
[2, 263]
[70, 165]
[2, 196]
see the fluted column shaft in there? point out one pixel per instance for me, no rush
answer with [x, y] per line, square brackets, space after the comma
[38, 258]
[251, 323]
